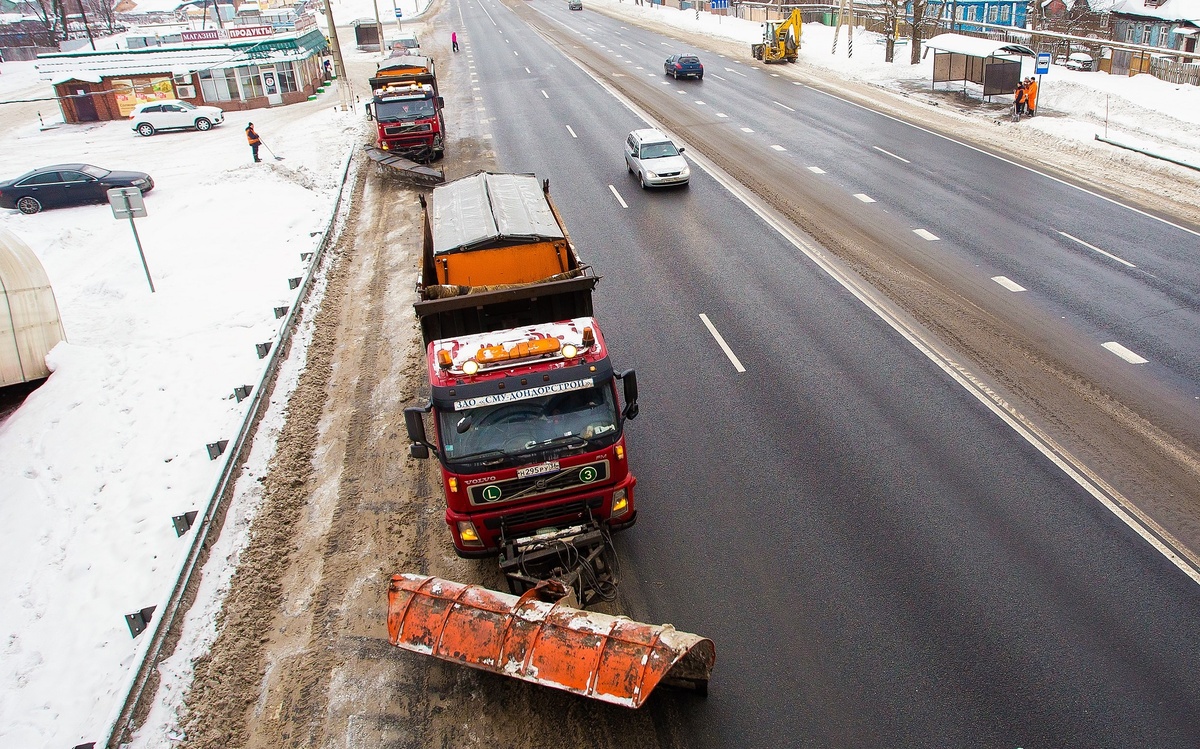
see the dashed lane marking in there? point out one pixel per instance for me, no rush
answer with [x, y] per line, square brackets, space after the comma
[721, 342]
[889, 153]
[1124, 353]
[1097, 249]
[1008, 283]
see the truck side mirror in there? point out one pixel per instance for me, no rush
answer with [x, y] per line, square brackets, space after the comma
[414, 419]
[441, 103]
[370, 115]
[629, 379]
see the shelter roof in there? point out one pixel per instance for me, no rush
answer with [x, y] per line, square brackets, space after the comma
[973, 46]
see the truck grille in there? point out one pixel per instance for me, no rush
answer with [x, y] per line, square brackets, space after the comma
[567, 513]
[394, 130]
[535, 486]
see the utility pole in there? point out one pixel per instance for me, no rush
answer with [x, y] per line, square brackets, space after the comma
[379, 28]
[345, 95]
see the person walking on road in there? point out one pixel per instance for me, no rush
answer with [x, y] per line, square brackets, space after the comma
[254, 141]
[454, 40]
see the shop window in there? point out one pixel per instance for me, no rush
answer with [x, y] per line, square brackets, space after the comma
[218, 85]
[251, 82]
[287, 77]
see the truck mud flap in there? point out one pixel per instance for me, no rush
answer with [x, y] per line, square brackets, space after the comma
[395, 165]
[538, 638]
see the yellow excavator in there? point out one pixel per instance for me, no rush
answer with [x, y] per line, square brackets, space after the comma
[781, 40]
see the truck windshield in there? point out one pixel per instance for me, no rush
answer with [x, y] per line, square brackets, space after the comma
[400, 111]
[530, 430]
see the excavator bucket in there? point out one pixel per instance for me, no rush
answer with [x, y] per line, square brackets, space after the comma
[537, 638]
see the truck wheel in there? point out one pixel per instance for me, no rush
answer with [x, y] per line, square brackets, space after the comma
[438, 154]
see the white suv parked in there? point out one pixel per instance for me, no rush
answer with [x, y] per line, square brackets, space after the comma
[149, 117]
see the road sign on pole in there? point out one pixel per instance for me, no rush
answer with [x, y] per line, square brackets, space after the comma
[127, 203]
[1043, 63]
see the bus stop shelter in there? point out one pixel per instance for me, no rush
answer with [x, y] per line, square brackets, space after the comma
[996, 66]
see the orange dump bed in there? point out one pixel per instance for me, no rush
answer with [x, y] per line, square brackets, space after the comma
[608, 658]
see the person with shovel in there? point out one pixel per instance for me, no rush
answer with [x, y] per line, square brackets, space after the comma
[254, 141]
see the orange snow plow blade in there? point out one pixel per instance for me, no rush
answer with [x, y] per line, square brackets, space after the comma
[608, 658]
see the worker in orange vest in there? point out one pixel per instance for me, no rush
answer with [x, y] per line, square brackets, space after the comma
[253, 139]
[1031, 88]
[1019, 97]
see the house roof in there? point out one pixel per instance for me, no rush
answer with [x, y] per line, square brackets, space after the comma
[973, 46]
[1171, 10]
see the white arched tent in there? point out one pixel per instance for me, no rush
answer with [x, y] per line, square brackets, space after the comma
[29, 321]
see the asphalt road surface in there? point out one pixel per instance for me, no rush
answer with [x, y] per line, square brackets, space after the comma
[890, 488]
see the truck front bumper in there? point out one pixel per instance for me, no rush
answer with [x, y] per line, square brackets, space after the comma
[523, 519]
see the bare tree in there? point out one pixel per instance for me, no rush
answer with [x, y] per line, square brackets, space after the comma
[918, 22]
[100, 12]
[891, 18]
[52, 17]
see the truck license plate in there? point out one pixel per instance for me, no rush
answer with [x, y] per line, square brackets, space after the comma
[538, 470]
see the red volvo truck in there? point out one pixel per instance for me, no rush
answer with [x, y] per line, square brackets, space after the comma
[526, 418]
[407, 109]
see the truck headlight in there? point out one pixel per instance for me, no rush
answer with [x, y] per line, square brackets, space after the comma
[468, 535]
[620, 503]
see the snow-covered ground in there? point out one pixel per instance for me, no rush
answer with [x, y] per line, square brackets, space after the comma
[96, 462]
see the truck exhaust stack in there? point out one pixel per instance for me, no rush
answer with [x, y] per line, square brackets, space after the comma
[538, 638]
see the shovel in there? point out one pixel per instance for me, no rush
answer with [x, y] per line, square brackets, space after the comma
[264, 145]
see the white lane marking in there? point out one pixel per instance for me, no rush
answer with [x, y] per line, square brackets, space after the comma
[572, 132]
[797, 83]
[735, 72]
[864, 198]
[747, 130]
[785, 106]
[721, 342]
[1124, 353]
[816, 170]
[545, 94]
[925, 235]
[889, 153]
[664, 44]
[681, 93]
[527, 70]
[617, 195]
[699, 102]
[516, 53]
[639, 67]
[714, 75]
[722, 114]
[774, 75]
[1008, 283]
[778, 147]
[1097, 249]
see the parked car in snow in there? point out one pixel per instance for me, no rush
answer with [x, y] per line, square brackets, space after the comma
[67, 184]
[149, 117]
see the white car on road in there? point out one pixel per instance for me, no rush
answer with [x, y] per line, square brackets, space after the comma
[149, 117]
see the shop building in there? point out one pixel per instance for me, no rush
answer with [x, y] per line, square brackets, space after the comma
[237, 67]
